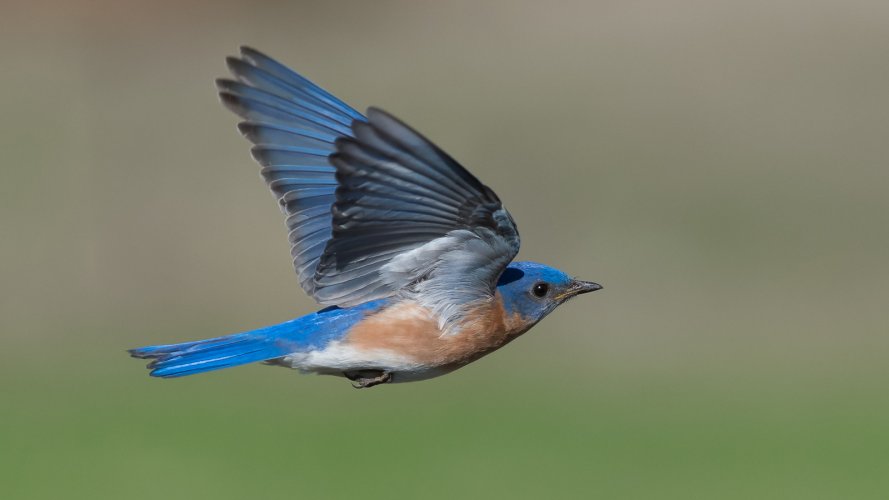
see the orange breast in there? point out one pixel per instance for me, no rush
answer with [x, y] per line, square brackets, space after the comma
[411, 330]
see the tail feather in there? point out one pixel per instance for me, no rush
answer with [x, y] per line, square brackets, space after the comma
[307, 333]
[188, 358]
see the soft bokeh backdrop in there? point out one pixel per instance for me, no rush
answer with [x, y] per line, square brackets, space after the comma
[721, 167]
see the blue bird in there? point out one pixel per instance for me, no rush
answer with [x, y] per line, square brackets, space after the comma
[408, 251]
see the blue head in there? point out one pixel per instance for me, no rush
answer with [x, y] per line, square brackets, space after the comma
[533, 290]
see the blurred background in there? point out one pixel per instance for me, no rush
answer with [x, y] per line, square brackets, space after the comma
[721, 167]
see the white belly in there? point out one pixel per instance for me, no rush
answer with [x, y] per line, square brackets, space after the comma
[337, 358]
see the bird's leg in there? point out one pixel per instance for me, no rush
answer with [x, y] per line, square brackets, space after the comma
[368, 378]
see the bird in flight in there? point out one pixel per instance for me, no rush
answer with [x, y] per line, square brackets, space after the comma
[409, 253]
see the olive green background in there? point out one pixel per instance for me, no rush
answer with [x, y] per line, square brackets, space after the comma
[721, 167]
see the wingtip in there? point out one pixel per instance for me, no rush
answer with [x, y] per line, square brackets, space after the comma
[373, 111]
[256, 154]
[239, 66]
[246, 128]
[257, 57]
[232, 102]
[224, 83]
[379, 117]
[248, 51]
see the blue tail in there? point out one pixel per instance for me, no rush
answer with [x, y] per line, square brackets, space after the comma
[188, 358]
[313, 331]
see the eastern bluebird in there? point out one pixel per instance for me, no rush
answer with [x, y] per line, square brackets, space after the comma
[411, 254]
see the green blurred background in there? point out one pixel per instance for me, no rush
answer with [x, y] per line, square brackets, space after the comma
[720, 166]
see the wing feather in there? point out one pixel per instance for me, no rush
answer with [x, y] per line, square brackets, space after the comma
[406, 216]
[372, 207]
[294, 125]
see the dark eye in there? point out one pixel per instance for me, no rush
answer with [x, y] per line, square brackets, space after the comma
[540, 289]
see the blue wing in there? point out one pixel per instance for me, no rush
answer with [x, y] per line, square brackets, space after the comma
[373, 207]
[408, 218]
[293, 124]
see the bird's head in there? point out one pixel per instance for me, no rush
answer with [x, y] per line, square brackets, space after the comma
[533, 290]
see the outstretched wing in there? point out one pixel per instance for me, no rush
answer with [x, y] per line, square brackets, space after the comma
[386, 213]
[410, 219]
[293, 124]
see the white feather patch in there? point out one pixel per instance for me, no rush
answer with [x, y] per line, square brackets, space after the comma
[338, 356]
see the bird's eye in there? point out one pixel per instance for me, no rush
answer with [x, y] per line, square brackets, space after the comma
[540, 289]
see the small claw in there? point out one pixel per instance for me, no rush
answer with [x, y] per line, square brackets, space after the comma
[363, 383]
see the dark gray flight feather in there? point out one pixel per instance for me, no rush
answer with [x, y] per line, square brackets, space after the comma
[374, 209]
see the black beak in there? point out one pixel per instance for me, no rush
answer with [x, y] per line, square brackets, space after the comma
[580, 287]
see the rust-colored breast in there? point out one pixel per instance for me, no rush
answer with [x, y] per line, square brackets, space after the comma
[411, 330]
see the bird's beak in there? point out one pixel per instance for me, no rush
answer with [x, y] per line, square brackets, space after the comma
[579, 287]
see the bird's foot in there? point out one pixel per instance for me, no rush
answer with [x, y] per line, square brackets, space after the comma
[368, 378]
